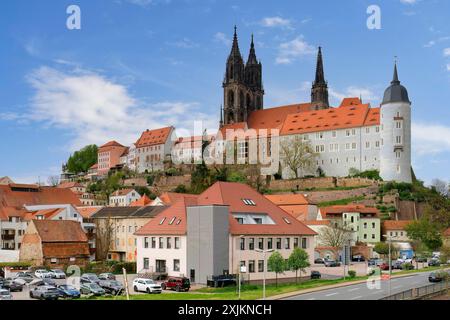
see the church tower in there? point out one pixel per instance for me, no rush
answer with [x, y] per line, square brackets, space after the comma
[242, 85]
[319, 91]
[395, 153]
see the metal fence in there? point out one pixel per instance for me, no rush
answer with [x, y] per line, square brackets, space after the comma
[421, 292]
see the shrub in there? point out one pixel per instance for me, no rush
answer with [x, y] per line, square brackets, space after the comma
[130, 267]
[172, 172]
[181, 188]
[407, 266]
[236, 176]
[352, 273]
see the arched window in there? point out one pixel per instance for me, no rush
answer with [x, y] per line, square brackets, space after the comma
[231, 98]
[241, 99]
[249, 102]
[231, 72]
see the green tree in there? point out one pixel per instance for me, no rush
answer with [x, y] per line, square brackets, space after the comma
[298, 261]
[82, 160]
[200, 179]
[276, 264]
[426, 231]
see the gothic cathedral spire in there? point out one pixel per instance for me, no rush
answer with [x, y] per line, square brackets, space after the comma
[243, 90]
[319, 91]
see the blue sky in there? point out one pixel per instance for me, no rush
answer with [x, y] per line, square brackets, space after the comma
[138, 64]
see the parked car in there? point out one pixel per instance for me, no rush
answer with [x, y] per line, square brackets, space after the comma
[89, 278]
[42, 274]
[112, 286]
[319, 261]
[358, 258]
[44, 293]
[434, 263]
[24, 277]
[316, 275]
[332, 263]
[146, 285]
[92, 288]
[12, 285]
[5, 294]
[437, 276]
[375, 262]
[68, 291]
[384, 266]
[43, 282]
[397, 265]
[57, 274]
[177, 284]
[107, 276]
[421, 259]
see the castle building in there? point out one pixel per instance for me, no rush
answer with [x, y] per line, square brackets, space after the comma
[353, 135]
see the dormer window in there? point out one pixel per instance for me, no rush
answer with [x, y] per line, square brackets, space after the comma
[258, 220]
[240, 220]
[179, 221]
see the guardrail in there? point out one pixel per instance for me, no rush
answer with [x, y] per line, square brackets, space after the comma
[421, 292]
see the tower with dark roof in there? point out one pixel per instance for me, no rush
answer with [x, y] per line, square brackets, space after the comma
[319, 91]
[242, 85]
[395, 152]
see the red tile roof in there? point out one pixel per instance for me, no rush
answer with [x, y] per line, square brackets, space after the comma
[122, 192]
[110, 146]
[232, 195]
[68, 185]
[169, 198]
[14, 197]
[46, 213]
[396, 225]
[60, 231]
[87, 212]
[338, 210]
[317, 222]
[288, 199]
[142, 202]
[154, 137]
[275, 117]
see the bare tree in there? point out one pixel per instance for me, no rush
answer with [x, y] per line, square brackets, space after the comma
[298, 154]
[53, 181]
[104, 228]
[335, 236]
[441, 187]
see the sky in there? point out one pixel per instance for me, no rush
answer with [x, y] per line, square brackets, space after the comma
[143, 64]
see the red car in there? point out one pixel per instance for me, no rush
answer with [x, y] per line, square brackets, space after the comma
[384, 266]
[177, 284]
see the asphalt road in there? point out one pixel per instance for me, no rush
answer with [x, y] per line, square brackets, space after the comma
[365, 291]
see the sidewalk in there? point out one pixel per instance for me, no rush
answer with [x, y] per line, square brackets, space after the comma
[333, 286]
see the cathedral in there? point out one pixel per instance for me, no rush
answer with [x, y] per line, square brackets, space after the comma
[353, 135]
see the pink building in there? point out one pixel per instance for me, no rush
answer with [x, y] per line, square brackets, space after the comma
[109, 156]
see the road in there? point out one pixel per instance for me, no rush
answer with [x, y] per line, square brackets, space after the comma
[364, 291]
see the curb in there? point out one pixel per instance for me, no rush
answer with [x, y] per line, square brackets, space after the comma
[339, 285]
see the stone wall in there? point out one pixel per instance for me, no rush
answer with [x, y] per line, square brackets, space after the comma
[319, 183]
[333, 195]
[168, 183]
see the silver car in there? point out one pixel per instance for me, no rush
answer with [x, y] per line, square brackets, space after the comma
[5, 294]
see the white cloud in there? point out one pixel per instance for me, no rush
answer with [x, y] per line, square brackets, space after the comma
[276, 22]
[430, 138]
[185, 43]
[432, 43]
[409, 1]
[94, 109]
[447, 52]
[222, 37]
[290, 51]
[146, 3]
[365, 93]
[448, 66]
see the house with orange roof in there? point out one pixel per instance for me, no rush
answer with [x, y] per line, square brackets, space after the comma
[127, 158]
[169, 198]
[218, 232]
[298, 205]
[109, 156]
[188, 150]
[153, 148]
[351, 135]
[123, 197]
[396, 229]
[142, 202]
[363, 222]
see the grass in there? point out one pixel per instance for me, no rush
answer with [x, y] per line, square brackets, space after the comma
[340, 202]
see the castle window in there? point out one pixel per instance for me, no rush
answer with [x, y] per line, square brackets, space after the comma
[398, 139]
[377, 144]
[367, 130]
[367, 145]
[398, 154]
[347, 133]
[398, 169]
[334, 134]
[398, 124]
[377, 129]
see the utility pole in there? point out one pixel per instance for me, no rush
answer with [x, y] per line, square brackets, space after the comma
[125, 280]
[264, 252]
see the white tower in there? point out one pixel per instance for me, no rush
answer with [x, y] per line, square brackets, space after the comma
[395, 157]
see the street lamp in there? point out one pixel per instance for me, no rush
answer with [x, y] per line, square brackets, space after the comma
[264, 252]
[389, 238]
[239, 264]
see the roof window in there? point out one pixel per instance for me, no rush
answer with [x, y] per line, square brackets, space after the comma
[172, 221]
[249, 202]
[286, 220]
[162, 220]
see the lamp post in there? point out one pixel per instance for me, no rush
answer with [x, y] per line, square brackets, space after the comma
[389, 238]
[239, 266]
[264, 252]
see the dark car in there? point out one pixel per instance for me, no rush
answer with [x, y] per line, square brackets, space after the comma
[421, 259]
[358, 258]
[44, 293]
[107, 276]
[319, 261]
[332, 263]
[92, 288]
[68, 291]
[177, 284]
[434, 263]
[43, 282]
[89, 278]
[12, 285]
[437, 276]
[316, 275]
[112, 286]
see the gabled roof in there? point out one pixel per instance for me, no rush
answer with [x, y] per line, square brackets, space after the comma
[343, 117]
[154, 137]
[232, 195]
[395, 224]
[45, 213]
[339, 210]
[88, 212]
[122, 192]
[169, 198]
[142, 202]
[60, 231]
[273, 118]
[288, 199]
[111, 144]
[5, 180]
